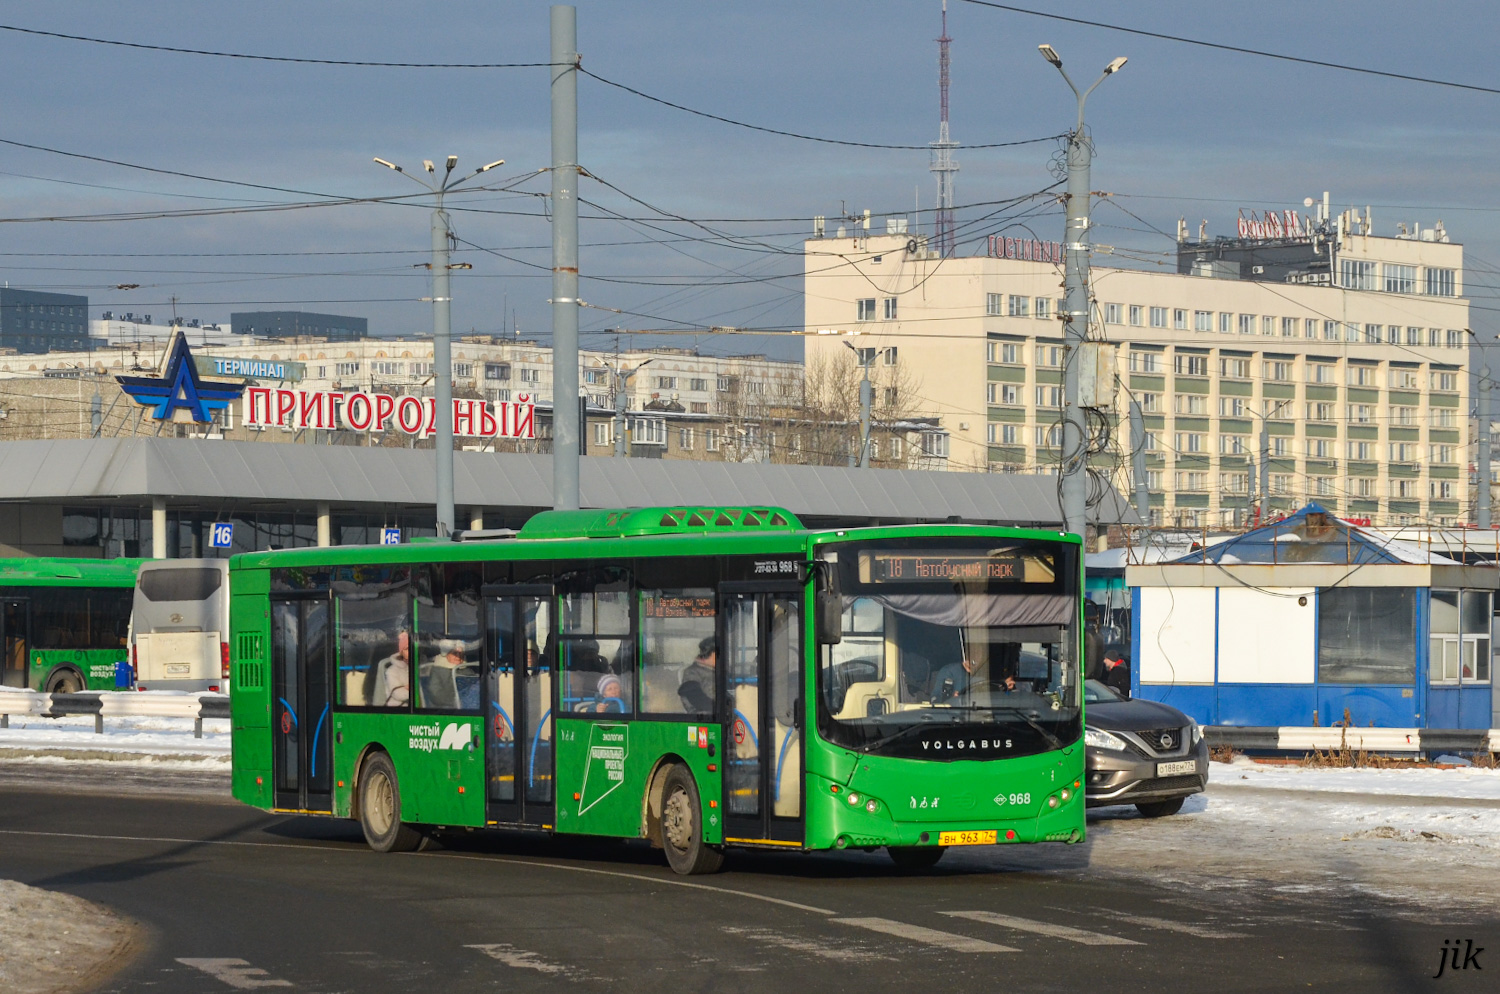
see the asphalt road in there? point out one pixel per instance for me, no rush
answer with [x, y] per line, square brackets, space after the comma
[228, 891]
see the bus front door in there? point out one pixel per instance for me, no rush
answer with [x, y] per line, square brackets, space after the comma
[302, 725]
[762, 665]
[518, 705]
[15, 668]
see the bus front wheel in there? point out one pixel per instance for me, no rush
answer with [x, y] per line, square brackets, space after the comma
[682, 826]
[380, 808]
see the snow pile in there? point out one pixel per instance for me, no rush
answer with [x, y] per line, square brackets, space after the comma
[127, 738]
[51, 942]
[1468, 781]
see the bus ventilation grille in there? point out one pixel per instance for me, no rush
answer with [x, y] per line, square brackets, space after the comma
[249, 670]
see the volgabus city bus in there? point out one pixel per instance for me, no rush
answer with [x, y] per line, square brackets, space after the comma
[700, 677]
[64, 622]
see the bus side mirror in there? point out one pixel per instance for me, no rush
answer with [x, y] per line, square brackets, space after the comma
[828, 604]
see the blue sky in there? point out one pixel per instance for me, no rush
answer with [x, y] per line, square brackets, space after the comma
[1181, 131]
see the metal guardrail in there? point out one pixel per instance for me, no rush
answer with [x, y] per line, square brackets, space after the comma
[1309, 738]
[107, 704]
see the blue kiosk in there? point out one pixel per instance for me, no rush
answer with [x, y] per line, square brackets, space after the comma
[1303, 621]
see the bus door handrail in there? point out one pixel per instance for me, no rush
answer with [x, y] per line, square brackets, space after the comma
[535, 741]
[781, 762]
[317, 731]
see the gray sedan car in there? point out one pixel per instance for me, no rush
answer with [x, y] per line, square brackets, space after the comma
[1140, 752]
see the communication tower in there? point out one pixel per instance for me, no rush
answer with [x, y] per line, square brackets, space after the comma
[942, 152]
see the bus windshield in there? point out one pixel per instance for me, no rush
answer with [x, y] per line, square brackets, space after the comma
[954, 649]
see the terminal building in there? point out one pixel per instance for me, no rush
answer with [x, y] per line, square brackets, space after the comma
[1347, 347]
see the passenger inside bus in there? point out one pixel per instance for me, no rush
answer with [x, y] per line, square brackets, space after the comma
[393, 675]
[699, 679]
[450, 681]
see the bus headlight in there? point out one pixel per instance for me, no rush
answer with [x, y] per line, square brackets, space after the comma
[853, 797]
[872, 805]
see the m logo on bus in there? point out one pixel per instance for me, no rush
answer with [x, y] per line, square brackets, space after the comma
[435, 738]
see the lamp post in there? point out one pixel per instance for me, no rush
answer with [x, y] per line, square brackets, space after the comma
[622, 377]
[442, 360]
[1074, 458]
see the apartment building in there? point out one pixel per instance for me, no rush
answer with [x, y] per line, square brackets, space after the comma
[1345, 348]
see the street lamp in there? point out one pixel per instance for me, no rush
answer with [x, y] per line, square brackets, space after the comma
[1074, 453]
[865, 357]
[622, 377]
[442, 359]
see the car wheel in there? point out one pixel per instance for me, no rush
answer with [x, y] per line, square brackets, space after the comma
[1160, 809]
[914, 859]
[682, 826]
[380, 809]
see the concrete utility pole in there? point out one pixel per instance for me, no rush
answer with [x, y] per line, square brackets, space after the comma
[1482, 457]
[1138, 462]
[1075, 316]
[866, 401]
[622, 381]
[566, 431]
[442, 336]
[1265, 467]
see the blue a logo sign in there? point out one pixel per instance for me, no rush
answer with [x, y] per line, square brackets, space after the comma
[221, 534]
[180, 388]
[390, 536]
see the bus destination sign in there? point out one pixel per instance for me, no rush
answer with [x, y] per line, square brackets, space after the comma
[919, 567]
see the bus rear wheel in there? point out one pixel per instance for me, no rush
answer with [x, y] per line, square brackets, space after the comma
[64, 682]
[380, 808]
[682, 826]
[915, 858]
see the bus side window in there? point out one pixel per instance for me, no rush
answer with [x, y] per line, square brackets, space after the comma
[675, 624]
[596, 652]
[372, 612]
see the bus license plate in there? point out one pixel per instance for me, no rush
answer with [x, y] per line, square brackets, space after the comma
[179, 667]
[1174, 769]
[966, 838]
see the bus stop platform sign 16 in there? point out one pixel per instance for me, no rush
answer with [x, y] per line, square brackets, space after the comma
[221, 534]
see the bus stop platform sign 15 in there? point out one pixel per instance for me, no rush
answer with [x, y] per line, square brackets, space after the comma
[390, 536]
[221, 534]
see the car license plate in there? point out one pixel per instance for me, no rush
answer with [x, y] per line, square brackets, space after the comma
[966, 838]
[1174, 769]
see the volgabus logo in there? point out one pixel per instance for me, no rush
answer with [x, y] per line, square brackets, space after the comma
[435, 738]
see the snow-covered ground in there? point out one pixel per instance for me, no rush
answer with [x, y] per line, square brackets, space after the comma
[57, 942]
[127, 739]
[1419, 837]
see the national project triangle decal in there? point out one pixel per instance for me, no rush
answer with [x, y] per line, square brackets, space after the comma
[608, 747]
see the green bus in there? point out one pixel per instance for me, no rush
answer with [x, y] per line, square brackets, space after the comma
[64, 623]
[647, 673]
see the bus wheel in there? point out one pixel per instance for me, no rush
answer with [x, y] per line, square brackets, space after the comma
[915, 858]
[380, 808]
[682, 826]
[64, 682]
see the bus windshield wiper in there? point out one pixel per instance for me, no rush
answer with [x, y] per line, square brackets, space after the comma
[916, 726]
[1041, 729]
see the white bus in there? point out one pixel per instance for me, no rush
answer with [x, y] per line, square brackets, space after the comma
[179, 625]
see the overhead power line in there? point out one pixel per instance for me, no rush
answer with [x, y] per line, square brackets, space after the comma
[794, 134]
[1236, 48]
[274, 58]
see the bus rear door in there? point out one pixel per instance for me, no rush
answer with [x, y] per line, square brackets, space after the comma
[15, 625]
[301, 724]
[762, 666]
[518, 704]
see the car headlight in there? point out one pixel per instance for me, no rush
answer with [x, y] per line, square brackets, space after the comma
[1196, 732]
[1098, 738]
